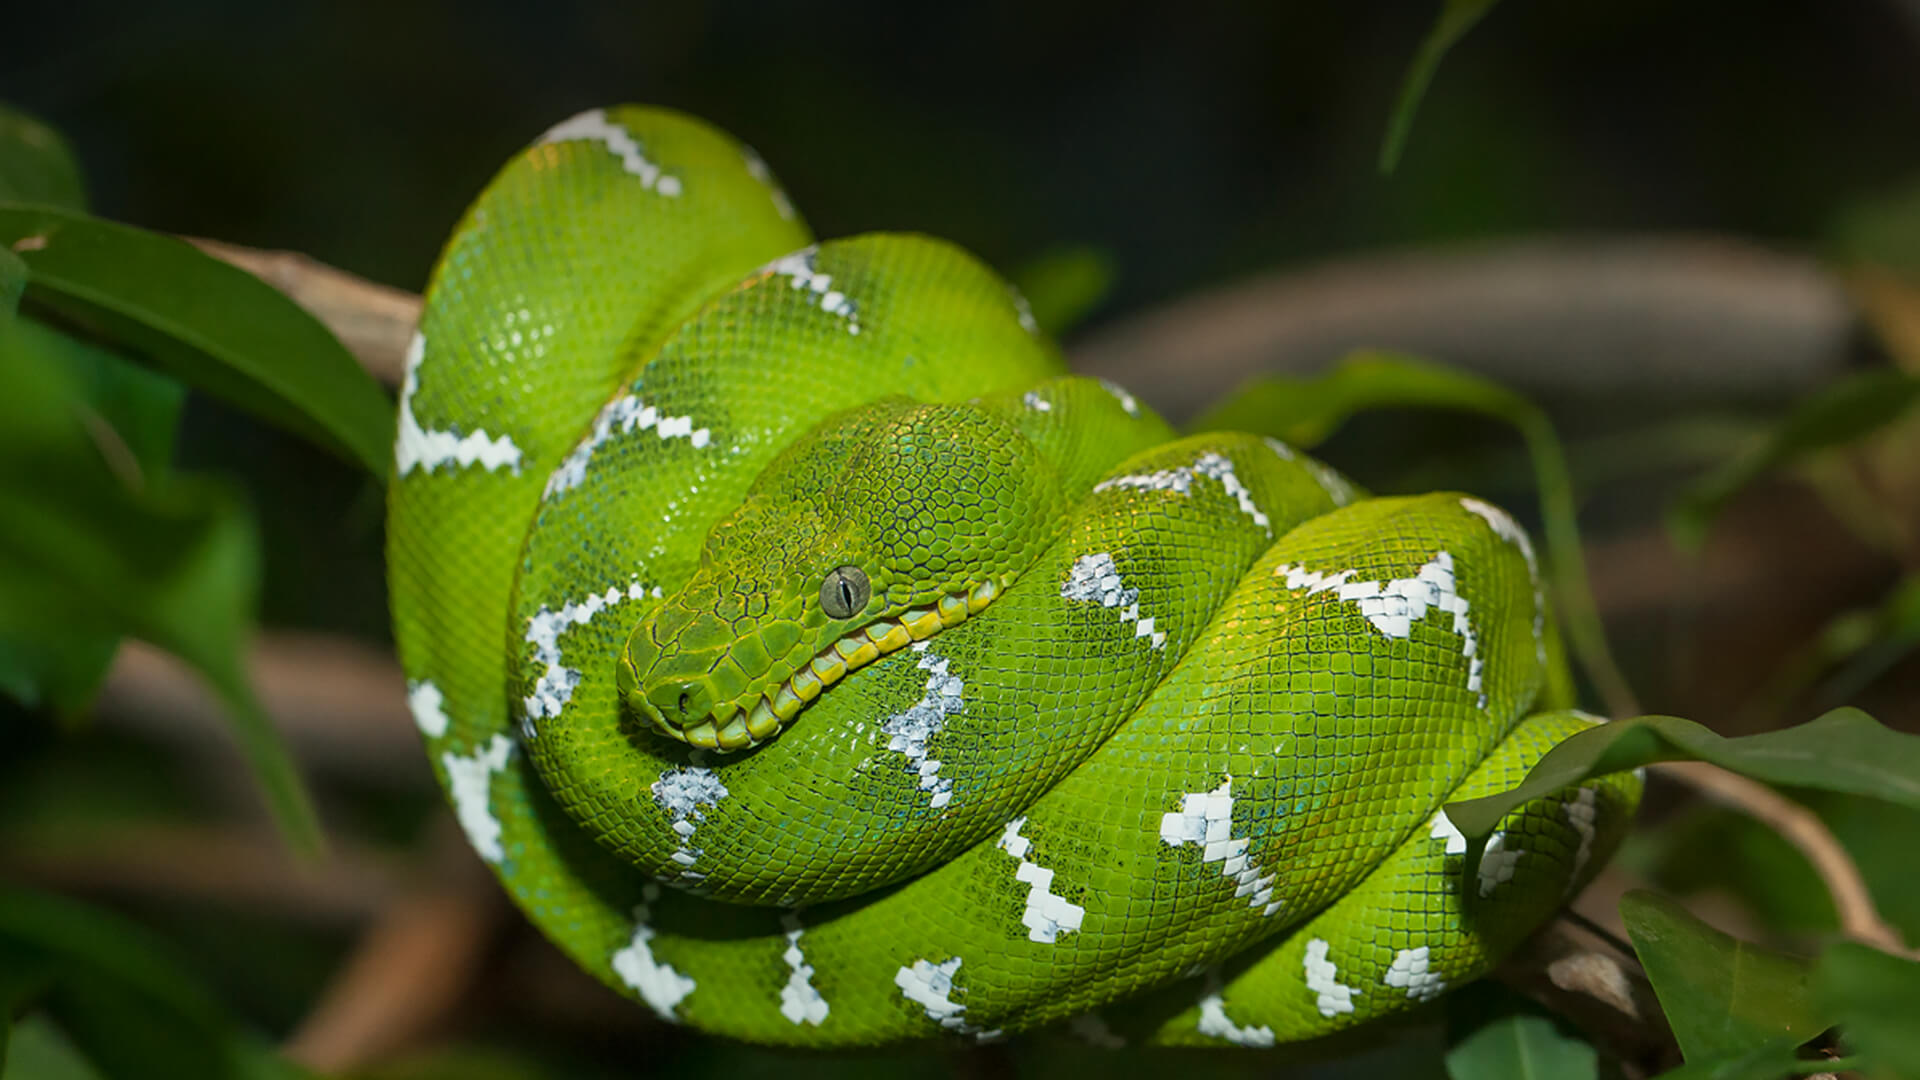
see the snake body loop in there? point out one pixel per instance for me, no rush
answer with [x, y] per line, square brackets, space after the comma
[819, 664]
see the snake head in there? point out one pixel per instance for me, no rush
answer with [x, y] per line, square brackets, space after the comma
[879, 528]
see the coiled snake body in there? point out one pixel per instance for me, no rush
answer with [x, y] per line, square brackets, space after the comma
[819, 664]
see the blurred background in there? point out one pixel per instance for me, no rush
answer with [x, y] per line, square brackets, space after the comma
[1668, 223]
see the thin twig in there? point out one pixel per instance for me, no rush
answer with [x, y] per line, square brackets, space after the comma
[1801, 827]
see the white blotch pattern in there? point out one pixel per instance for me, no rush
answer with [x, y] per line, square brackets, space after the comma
[1047, 916]
[416, 447]
[1497, 863]
[800, 1003]
[1322, 979]
[470, 780]
[682, 793]
[1281, 449]
[1023, 311]
[907, 732]
[799, 268]
[1205, 820]
[1037, 403]
[1336, 486]
[1445, 829]
[1410, 972]
[1093, 1031]
[1214, 1021]
[1394, 606]
[1582, 811]
[594, 125]
[1120, 394]
[554, 688]
[1509, 530]
[658, 984]
[621, 416]
[1179, 480]
[426, 703]
[1095, 579]
[757, 168]
[930, 986]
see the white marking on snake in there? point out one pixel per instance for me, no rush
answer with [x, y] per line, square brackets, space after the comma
[1410, 972]
[682, 793]
[1497, 863]
[1095, 579]
[1023, 311]
[1334, 998]
[1337, 487]
[425, 449]
[800, 1003]
[1047, 916]
[593, 125]
[1205, 820]
[799, 267]
[930, 986]
[426, 703]
[1394, 606]
[1582, 811]
[1093, 1030]
[470, 782]
[1282, 450]
[658, 984]
[1216, 467]
[1037, 403]
[1120, 394]
[1214, 1021]
[1445, 829]
[1507, 529]
[909, 731]
[554, 688]
[757, 168]
[623, 416]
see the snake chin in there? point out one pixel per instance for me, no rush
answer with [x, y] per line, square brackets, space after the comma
[732, 726]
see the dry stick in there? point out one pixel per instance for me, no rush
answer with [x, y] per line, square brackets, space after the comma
[1802, 828]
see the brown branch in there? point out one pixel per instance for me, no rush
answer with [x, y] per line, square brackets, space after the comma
[1802, 828]
[1591, 981]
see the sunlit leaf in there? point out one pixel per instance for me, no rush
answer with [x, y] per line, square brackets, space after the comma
[1456, 18]
[215, 326]
[1723, 997]
[1875, 998]
[1063, 286]
[1305, 411]
[170, 560]
[36, 164]
[1841, 413]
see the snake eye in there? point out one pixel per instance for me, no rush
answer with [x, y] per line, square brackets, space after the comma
[845, 592]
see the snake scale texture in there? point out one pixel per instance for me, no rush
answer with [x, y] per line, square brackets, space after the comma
[818, 663]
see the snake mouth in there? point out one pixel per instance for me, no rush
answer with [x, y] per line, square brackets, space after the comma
[732, 726]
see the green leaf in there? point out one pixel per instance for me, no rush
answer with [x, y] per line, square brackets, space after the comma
[40, 1051]
[1842, 413]
[215, 326]
[1844, 750]
[170, 560]
[1760, 1063]
[1723, 997]
[1456, 18]
[36, 164]
[1062, 286]
[1875, 998]
[1521, 1046]
[1305, 411]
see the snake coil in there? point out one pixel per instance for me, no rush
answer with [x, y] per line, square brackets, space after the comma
[817, 662]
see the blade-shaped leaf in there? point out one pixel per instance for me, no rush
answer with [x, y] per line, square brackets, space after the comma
[1724, 997]
[1841, 413]
[1521, 1046]
[1305, 411]
[1456, 18]
[36, 164]
[1844, 750]
[215, 326]
[1875, 998]
[173, 561]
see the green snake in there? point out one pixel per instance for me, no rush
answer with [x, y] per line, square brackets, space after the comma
[817, 662]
